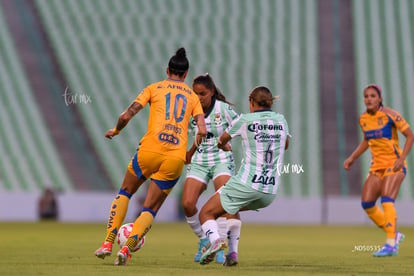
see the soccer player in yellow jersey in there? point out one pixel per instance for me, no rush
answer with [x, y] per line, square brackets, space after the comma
[388, 166]
[161, 154]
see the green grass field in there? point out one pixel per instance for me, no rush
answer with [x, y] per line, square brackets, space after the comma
[49, 248]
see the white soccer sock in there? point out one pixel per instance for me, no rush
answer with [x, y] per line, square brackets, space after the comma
[222, 227]
[233, 234]
[195, 225]
[210, 229]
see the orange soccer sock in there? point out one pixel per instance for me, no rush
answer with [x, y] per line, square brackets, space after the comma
[141, 226]
[390, 221]
[117, 214]
[376, 215]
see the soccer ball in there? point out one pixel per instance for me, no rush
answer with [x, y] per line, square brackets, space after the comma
[123, 235]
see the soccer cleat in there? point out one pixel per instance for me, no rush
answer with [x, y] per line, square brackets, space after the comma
[220, 257]
[399, 237]
[104, 250]
[386, 251]
[210, 253]
[202, 245]
[123, 256]
[231, 259]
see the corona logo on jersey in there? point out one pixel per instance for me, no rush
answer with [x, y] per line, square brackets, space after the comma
[257, 127]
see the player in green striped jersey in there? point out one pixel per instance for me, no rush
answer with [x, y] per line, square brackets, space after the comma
[264, 136]
[210, 163]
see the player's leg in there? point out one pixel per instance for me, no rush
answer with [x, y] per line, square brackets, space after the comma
[119, 207]
[194, 185]
[191, 192]
[233, 236]
[231, 198]
[370, 193]
[162, 182]
[223, 174]
[208, 214]
[153, 201]
[389, 191]
[228, 199]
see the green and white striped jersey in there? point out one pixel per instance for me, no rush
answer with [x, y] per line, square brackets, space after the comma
[218, 118]
[263, 135]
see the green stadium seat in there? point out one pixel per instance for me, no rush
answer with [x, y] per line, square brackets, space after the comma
[27, 153]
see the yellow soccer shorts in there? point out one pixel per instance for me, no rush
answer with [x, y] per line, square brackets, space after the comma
[164, 170]
[387, 172]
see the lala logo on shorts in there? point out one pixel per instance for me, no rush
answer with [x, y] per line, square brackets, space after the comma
[263, 179]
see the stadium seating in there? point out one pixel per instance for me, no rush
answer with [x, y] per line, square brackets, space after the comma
[110, 50]
[27, 153]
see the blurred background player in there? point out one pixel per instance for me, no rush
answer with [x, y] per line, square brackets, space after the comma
[161, 153]
[379, 125]
[264, 135]
[208, 162]
[47, 205]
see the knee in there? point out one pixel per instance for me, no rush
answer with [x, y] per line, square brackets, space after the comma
[188, 206]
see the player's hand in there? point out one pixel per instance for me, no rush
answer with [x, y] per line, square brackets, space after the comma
[111, 133]
[188, 156]
[226, 147]
[348, 163]
[398, 165]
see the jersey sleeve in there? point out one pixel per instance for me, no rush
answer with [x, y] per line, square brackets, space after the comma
[144, 97]
[230, 114]
[286, 127]
[361, 126]
[235, 126]
[198, 109]
[400, 123]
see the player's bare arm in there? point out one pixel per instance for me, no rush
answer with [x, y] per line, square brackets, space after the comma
[223, 142]
[201, 134]
[123, 119]
[362, 147]
[201, 125]
[409, 140]
[190, 153]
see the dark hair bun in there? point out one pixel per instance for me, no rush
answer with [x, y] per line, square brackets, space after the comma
[178, 63]
[181, 53]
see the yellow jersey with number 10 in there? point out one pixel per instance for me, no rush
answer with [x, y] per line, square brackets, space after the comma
[172, 103]
[380, 130]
